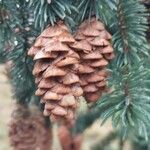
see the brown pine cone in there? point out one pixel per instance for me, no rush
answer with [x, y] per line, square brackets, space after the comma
[58, 83]
[95, 50]
[27, 130]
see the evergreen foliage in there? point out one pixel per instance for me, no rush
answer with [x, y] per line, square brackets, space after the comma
[21, 73]
[128, 104]
[129, 39]
[6, 19]
[49, 11]
[129, 100]
[102, 9]
[23, 35]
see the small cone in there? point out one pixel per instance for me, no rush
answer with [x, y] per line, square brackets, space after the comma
[95, 50]
[55, 75]
[27, 129]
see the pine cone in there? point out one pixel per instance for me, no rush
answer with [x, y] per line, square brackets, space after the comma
[94, 48]
[58, 84]
[27, 130]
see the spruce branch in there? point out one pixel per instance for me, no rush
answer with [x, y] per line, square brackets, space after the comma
[48, 12]
[129, 102]
[6, 31]
[102, 9]
[21, 72]
[129, 39]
